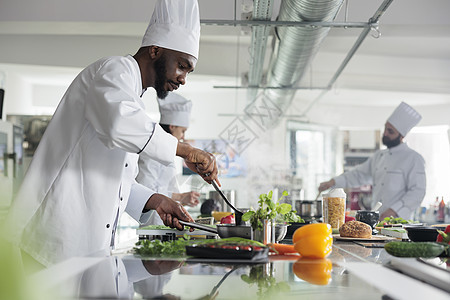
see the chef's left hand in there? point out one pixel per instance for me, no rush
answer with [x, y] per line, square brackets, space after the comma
[169, 210]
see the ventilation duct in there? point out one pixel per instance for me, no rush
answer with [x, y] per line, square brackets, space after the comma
[296, 46]
[262, 11]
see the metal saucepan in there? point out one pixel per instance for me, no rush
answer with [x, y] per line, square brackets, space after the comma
[309, 208]
[224, 230]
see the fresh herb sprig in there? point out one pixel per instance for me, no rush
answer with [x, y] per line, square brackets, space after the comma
[271, 210]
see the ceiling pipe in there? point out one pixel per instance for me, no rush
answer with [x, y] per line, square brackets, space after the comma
[262, 11]
[297, 46]
[373, 26]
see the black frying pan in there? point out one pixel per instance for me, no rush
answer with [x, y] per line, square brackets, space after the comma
[224, 230]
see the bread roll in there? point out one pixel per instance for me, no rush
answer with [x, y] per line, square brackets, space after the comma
[355, 229]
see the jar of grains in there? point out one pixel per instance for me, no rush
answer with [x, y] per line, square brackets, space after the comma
[334, 207]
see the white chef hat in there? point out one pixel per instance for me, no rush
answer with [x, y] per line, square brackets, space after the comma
[175, 110]
[175, 25]
[404, 118]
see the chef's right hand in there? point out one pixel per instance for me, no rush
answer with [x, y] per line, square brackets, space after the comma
[199, 161]
[326, 185]
[169, 210]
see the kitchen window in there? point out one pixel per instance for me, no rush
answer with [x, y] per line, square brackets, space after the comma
[315, 154]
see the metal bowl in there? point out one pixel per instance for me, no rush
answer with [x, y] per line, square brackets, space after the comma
[280, 231]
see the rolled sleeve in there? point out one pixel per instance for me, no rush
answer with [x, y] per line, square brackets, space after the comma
[138, 199]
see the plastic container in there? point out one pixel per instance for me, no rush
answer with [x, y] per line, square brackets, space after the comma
[334, 207]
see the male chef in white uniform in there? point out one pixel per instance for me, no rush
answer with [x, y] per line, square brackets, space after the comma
[83, 172]
[397, 174]
[175, 111]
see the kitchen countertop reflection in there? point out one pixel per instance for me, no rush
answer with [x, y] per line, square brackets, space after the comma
[133, 277]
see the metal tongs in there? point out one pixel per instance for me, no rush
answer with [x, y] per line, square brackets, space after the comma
[237, 212]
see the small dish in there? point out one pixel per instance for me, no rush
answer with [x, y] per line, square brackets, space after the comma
[421, 234]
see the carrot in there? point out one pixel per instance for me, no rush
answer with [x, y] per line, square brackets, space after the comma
[282, 249]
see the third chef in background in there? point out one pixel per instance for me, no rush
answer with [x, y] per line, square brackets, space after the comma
[397, 174]
[175, 112]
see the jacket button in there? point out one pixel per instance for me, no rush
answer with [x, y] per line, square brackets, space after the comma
[126, 165]
[121, 198]
[107, 225]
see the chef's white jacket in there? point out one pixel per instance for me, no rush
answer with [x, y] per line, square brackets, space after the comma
[82, 174]
[110, 278]
[397, 176]
[159, 178]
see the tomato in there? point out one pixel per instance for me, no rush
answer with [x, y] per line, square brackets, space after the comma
[349, 218]
[444, 237]
[228, 220]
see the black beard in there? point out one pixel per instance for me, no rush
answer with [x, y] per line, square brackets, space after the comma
[161, 79]
[391, 143]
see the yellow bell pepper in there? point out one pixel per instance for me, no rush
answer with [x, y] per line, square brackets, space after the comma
[315, 271]
[313, 240]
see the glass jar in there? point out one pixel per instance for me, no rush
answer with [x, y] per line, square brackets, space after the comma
[334, 207]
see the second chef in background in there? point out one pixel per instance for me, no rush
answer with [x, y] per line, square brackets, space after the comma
[175, 112]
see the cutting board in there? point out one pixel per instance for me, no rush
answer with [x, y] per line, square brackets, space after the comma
[374, 238]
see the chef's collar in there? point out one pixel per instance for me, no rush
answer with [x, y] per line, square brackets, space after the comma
[399, 147]
[138, 70]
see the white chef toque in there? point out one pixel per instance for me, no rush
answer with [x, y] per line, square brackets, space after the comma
[404, 118]
[175, 110]
[175, 25]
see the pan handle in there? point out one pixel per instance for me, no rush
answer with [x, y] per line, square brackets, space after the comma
[198, 226]
[237, 212]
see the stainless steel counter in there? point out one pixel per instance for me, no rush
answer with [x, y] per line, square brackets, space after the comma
[357, 273]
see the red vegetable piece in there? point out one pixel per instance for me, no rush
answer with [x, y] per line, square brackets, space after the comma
[228, 220]
[348, 218]
[444, 237]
